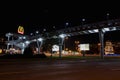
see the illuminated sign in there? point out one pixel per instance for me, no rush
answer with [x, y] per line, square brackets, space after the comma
[0, 50]
[55, 48]
[21, 30]
[84, 47]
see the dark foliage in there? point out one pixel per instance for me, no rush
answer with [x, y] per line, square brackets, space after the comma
[28, 52]
[40, 56]
[11, 56]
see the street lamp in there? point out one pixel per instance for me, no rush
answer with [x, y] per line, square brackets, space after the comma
[65, 37]
[37, 32]
[83, 20]
[108, 16]
[38, 40]
[8, 35]
[39, 45]
[66, 24]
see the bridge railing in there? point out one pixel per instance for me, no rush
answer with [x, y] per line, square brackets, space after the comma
[102, 24]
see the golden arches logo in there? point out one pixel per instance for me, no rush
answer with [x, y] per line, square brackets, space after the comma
[21, 30]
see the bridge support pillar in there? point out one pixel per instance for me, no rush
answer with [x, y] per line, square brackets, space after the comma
[60, 47]
[60, 50]
[8, 43]
[101, 38]
[39, 44]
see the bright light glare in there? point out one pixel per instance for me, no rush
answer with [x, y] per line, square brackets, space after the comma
[55, 48]
[106, 29]
[40, 39]
[84, 47]
[62, 36]
[27, 42]
[95, 30]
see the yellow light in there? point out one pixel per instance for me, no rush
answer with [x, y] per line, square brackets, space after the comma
[21, 30]
[0, 50]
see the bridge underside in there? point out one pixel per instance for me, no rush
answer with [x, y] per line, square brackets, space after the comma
[100, 28]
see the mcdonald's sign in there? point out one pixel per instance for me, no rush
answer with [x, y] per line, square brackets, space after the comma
[21, 30]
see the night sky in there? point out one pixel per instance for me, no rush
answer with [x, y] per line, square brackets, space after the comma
[39, 15]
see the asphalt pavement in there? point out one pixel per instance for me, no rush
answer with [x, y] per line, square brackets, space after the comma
[58, 69]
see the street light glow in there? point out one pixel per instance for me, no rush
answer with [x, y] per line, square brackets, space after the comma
[40, 39]
[62, 35]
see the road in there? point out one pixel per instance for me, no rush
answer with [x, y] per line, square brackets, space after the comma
[13, 69]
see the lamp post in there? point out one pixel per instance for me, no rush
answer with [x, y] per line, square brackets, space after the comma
[65, 37]
[39, 45]
[83, 20]
[38, 40]
[107, 16]
[82, 23]
[8, 35]
[66, 24]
